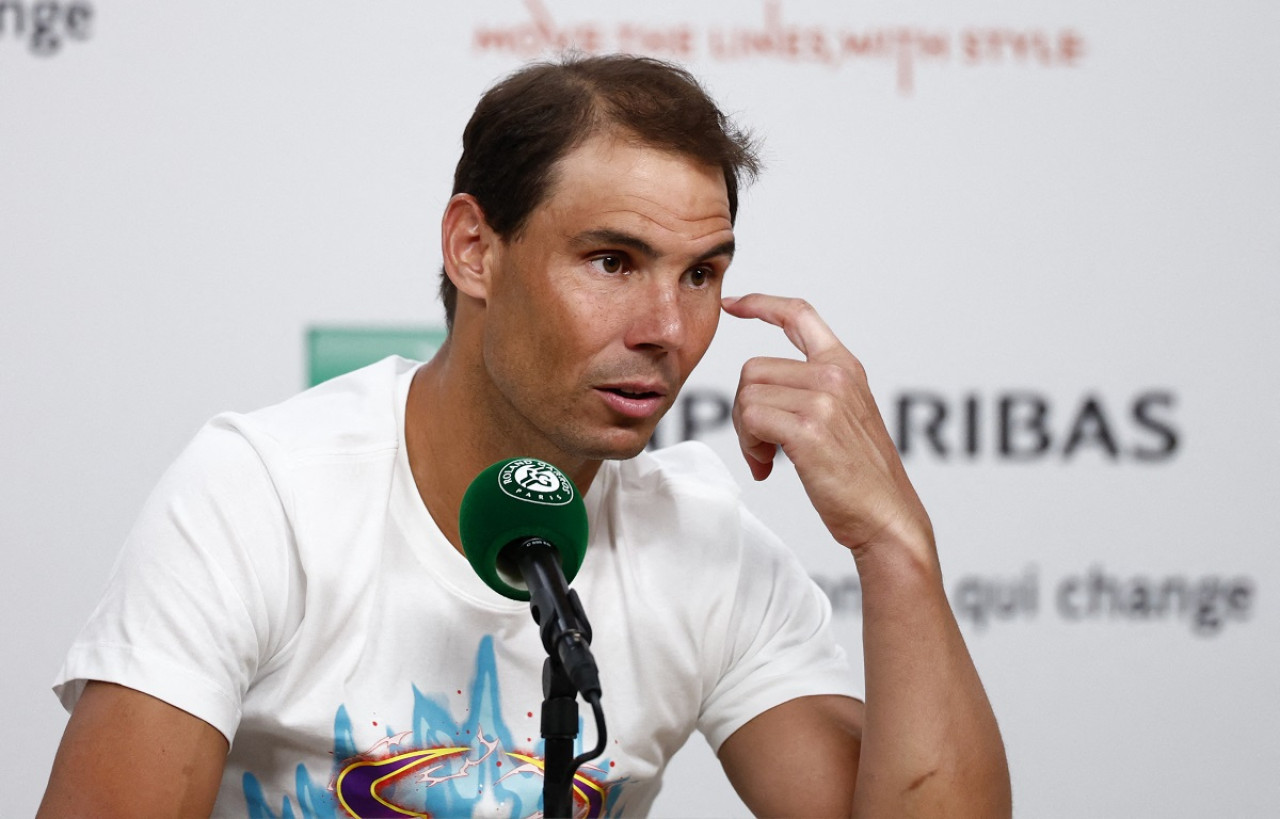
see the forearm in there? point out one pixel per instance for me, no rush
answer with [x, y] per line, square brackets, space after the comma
[930, 745]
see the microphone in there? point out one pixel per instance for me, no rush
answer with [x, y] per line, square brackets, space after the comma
[524, 530]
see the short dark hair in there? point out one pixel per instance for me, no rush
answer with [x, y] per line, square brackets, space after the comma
[529, 121]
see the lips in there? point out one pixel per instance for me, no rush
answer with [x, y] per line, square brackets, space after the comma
[634, 400]
[633, 392]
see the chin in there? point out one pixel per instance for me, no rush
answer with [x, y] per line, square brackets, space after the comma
[618, 445]
[628, 454]
[617, 453]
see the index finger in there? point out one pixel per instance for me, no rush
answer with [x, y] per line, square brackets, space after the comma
[796, 317]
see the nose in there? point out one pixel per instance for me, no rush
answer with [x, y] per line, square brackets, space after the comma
[658, 321]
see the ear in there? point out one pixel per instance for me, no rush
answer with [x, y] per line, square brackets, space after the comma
[465, 242]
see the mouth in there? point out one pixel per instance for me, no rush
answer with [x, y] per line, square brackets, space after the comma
[633, 393]
[633, 400]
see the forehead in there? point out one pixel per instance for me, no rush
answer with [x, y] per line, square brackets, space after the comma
[620, 183]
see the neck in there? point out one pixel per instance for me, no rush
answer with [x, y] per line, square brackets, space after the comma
[451, 438]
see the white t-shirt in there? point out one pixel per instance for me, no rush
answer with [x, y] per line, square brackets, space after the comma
[286, 584]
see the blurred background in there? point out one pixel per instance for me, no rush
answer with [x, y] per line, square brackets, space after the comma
[1050, 230]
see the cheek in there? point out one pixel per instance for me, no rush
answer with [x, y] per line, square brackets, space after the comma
[567, 333]
[703, 326]
[548, 291]
[587, 318]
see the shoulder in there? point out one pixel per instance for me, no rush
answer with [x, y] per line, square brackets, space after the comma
[685, 494]
[247, 459]
[355, 412]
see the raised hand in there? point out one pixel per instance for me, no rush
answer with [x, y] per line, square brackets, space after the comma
[821, 412]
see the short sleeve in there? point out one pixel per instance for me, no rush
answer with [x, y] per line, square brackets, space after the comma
[779, 644]
[206, 589]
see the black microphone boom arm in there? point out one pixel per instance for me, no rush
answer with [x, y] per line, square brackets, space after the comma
[556, 609]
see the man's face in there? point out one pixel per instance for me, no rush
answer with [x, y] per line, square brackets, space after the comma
[598, 312]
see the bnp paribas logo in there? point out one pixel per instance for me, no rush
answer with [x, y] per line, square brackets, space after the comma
[45, 26]
[529, 479]
[335, 350]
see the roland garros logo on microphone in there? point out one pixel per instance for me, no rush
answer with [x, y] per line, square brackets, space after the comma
[529, 479]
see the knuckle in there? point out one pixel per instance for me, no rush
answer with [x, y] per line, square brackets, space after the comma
[800, 308]
[810, 430]
[750, 418]
[833, 378]
[751, 370]
[854, 371]
[754, 416]
[826, 407]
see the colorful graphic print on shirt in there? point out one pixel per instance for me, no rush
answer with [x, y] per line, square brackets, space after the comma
[440, 767]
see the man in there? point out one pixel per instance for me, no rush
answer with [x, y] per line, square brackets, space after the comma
[295, 590]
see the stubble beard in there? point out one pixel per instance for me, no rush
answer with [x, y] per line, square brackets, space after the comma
[554, 433]
[578, 441]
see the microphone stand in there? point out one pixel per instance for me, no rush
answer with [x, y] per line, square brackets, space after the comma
[569, 669]
[559, 730]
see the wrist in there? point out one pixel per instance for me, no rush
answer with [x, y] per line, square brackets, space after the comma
[899, 557]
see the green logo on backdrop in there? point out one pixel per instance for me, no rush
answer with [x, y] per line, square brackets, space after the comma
[332, 351]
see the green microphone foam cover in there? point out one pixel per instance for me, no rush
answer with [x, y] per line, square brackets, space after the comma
[521, 498]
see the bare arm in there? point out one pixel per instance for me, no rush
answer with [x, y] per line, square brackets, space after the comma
[797, 759]
[929, 745]
[126, 754]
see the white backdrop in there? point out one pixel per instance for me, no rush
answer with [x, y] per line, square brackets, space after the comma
[1051, 231]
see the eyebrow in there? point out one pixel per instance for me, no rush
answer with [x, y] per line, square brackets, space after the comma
[616, 238]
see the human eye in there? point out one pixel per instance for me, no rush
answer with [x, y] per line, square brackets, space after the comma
[701, 277]
[610, 263]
